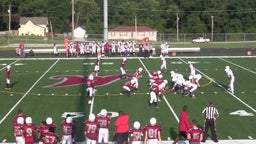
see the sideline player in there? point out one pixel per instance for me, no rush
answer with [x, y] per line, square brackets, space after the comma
[7, 77]
[29, 130]
[17, 131]
[136, 133]
[195, 134]
[67, 128]
[104, 123]
[91, 129]
[231, 79]
[152, 133]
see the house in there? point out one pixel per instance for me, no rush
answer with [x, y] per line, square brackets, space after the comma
[33, 26]
[132, 32]
[80, 34]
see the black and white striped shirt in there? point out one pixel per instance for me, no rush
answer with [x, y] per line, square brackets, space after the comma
[210, 112]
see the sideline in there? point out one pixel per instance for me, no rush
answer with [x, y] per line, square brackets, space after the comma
[6, 115]
[168, 104]
[222, 87]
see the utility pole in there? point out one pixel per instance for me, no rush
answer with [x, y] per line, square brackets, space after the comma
[177, 26]
[212, 28]
[136, 28]
[73, 20]
[9, 30]
[105, 13]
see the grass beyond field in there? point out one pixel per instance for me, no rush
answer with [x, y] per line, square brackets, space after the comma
[37, 89]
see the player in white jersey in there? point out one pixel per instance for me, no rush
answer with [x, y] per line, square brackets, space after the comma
[231, 79]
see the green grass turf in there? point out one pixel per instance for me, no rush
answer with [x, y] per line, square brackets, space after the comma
[41, 102]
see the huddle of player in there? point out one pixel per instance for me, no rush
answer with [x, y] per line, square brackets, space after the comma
[183, 86]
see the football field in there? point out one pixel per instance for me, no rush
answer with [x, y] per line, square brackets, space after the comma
[54, 87]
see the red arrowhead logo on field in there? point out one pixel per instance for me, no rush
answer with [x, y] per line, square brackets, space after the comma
[67, 81]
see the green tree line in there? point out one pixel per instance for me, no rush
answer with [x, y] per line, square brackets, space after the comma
[194, 16]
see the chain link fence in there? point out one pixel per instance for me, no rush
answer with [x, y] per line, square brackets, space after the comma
[215, 37]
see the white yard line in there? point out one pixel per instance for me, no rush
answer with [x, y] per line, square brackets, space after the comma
[168, 104]
[238, 66]
[9, 64]
[222, 88]
[6, 115]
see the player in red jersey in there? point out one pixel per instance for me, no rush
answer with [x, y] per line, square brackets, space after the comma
[18, 132]
[195, 134]
[97, 66]
[67, 129]
[129, 86]
[50, 123]
[90, 87]
[135, 77]
[122, 68]
[91, 129]
[104, 122]
[7, 77]
[136, 133]
[50, 137]
[20, 114]
[152, 133]
[29, 130]
[41, 131]
[155, 77]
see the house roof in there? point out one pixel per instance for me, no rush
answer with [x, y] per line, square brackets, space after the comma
[35, 20]
[132, 28]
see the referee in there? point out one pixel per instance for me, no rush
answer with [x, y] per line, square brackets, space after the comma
[211, 114]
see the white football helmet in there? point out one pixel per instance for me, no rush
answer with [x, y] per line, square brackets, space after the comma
[49, 120]
[153, 121]
[190, 77]
[140, 69]
[161, 56]
[159, 72]
[28, 120]
[189, 62]
[20, 120]
[132, 81]
[103, 112]
[90, 77]
[91, 117]
[124, 59]
[172, 73]
[227, 68]
[8, 67]
[166, 81]
[136, 125]
[160, 76]
[69, 120]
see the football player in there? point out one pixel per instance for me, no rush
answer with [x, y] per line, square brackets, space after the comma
[50, 123]
[231, 79]
[7, 77]
[29, 130]
[91, 129]
[189, 88]
[163, 65]
[177, 80]
[122, 68]
[41, 132]
[129, 86]
[18, 132]
[155, 76]
[135, 77]
[90, 87]
[67, 129]
[97, 66]
[104, 124]
[50, 137]
[136, 133]
[195, 79]
[152, 132]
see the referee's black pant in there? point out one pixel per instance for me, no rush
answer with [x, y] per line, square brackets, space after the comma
[210, 123]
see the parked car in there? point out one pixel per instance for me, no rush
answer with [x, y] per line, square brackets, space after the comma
[201, 40]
